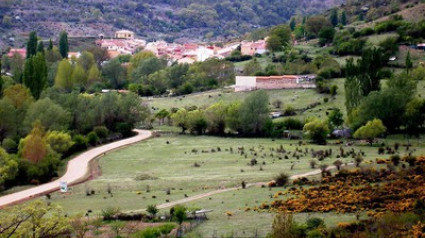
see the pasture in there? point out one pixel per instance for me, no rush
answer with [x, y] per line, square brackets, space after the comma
[188, 166]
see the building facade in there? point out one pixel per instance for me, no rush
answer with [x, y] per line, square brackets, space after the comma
[250, 83]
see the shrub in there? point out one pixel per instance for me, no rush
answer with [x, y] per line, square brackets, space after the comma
[152, 209]
[80, 143]
[314, 222]
[281, 179]
[10, 145]
[109, 213]
[92, 138]
[101, 131]
[395, 159]
[124, 128]
[315, 234]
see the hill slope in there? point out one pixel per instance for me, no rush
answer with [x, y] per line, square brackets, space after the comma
[169, 19]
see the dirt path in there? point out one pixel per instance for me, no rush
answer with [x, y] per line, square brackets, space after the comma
[77, 170]
[204, 195]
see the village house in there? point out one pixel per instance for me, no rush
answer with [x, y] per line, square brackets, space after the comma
[252, 48]
[21, 52]
[124, 34]
[250, 83]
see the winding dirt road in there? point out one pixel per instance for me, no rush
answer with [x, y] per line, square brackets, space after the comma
[204, 195]
[78, 170]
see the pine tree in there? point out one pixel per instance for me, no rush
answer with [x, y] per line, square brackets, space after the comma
[344, 18]
[50, 47]
[334, 17]
[292, 24]
[32, 44]
[63, 44]
[40, 47]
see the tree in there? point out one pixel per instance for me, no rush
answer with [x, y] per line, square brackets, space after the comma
[326, 35]
[409, 63]
[370, 131]
[7, 119]
[35, 219]
[334, 17]
[317, 131]
[40, 47]
[181, 119]
[315, 24]
[32, 44]
[59, 141]
[252, 67]
[100, 54]
[336, 118]
[86, 60]
[63, 79]
[414, 116]
[78, 76]
[63, 44]
[292, 24]
[161, 115]
[344, 18]
[50, 47]
[282, 225]
[114, 73]
[51, 115]
[216, 115]
[179, 214]
[254, 113]
[34, 147]
[273, 43]
[363, 77]
[8, 168]
[152, 210]
[93, 75]
[281, 180]
[39, 79]
[197, 122]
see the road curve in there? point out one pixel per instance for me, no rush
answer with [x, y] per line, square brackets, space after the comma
[204, 195]
[78, 170]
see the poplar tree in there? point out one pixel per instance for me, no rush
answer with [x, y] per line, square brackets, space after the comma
[63, 44]
[292, 24]
[40, 47]
[50, 47]
[35, 74]
[344, 18]
[334, 17]
[32, 44]
[63, 75]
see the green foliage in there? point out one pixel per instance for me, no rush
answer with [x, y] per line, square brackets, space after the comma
[371, 130]
[181, 119]
[63, 79]
[8, 125]
[63, 44]
[281, 179]
[317, 131]
[315, 222]
[92, 138]
[32, 44]
[326, 35]
[179, 213]
[334, 17]
[114, 74]
[315, 24]
[254, 113]
[344, 18]
[101, 131]
[8, 167]
[154, 232]
[345, 44]
[151, 209]
[51, 115]
[279, 38]
[252, 67]
[59, 141]
[35, 74]
[80, 142]
[336, 118]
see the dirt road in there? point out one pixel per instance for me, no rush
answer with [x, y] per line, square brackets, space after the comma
[77, 170]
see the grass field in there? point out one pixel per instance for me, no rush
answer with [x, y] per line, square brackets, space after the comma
[161, 165]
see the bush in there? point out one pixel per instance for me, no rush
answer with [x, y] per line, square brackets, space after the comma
[10, 145]
[315, 234]
[101, 131]
[281, 179]
[314, 222]
[109, 213]
[80, 143]
[92, 138]
[154, 232]
[124, 128]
